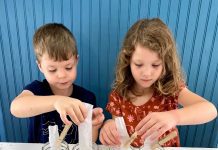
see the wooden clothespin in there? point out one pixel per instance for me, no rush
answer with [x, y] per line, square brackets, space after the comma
[163, 140]
[63, 134]
[130, 140]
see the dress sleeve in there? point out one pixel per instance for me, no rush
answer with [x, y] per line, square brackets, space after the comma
[114, 104]
[172, 101]
[182, 85]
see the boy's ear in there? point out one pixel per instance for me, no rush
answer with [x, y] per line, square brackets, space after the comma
[77, 59]
[39, 65]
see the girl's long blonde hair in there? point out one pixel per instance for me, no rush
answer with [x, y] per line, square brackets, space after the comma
[156, 36]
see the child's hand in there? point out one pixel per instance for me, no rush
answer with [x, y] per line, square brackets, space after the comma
[97, 117]
[109, 134]
[155, 124]
[74, 108]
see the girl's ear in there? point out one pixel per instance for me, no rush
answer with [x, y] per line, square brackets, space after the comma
[39, 65]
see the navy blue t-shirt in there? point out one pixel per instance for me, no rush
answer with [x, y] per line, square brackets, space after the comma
[38, 125]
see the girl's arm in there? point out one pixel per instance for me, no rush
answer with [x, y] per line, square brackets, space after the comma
[109, 134]
[27, 105]
[196, 110]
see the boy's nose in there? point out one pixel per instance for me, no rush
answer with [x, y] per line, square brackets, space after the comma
[61, 74]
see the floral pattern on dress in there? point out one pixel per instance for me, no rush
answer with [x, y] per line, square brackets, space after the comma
[132, 114]
[130, 118]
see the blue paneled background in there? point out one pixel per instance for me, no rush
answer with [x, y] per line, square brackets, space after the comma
[99, 27]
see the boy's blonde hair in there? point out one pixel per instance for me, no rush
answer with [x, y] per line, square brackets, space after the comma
[55, 40]
[154, 35]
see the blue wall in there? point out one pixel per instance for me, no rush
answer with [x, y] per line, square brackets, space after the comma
[99, 27]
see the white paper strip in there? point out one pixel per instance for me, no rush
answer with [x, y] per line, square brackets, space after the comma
[85, 130]
[121, 127]
[53, 136]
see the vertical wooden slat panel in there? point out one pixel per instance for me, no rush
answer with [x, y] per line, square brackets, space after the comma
[172, 16]
[23, 59]
[48, 10]
[57, 10]
[90, 29]
[207, 91]
[134, 12]
[201, 76]
[3, 132]
[99, 28]
[28, 36]
[9, 74]
[153, 8]
[149, 9]
[177, 21]
[113, 38]
[85, 44]
[94, 46]
[30, 28]
[76, 26]
[213, 140]
[124, 15]
[191, 130]
[19, 72]
[66, 13]
[143, 9]
[104, 43]
[181, 40]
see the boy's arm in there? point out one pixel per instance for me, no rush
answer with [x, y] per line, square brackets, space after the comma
[27, 105]
[97, 121]
[94, 134]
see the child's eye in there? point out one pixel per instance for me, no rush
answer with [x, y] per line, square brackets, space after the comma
[53, 70]
[138, 65]
[155, 66]
[68, 68]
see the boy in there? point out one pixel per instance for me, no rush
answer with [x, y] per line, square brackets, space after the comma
[56, 100]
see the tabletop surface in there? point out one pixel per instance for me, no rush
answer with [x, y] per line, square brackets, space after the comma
[39, 146]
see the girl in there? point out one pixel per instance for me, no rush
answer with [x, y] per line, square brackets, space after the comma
[149, 86]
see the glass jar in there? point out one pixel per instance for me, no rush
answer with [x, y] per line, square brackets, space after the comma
[63, 146]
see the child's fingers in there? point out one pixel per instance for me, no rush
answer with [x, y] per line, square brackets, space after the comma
[102, 139]
[105, 139]
[98, 120]
[73, 117]
[63, 117]
[98, 116]
[83, 110]
[152, 137]
[113, 134]
[160, 132]
[155, 128]
[145, 127]
[97, 111]
[141, 125]
[109, 138]
[80, 113]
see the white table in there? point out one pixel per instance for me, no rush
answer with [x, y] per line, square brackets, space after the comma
[31, 146]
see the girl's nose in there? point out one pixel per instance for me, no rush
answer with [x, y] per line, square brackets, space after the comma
[147, 72]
